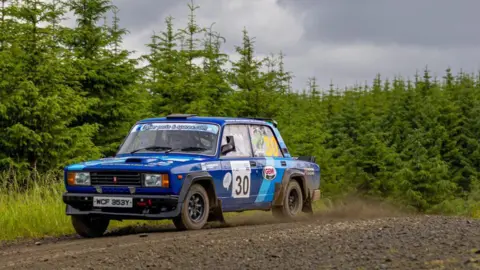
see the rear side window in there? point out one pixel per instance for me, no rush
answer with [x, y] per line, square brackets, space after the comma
[242, 142]
[264, 142]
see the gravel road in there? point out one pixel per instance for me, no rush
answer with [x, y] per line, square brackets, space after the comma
[321, 242]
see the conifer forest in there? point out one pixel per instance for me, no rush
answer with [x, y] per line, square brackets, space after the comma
[70, 94]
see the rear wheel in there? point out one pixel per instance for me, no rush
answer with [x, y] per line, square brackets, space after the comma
[292, 202]
[195, 209]
[87, 226]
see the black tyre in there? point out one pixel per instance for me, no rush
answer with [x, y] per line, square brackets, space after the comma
[195, 210]
[89, 227]
[292, 202]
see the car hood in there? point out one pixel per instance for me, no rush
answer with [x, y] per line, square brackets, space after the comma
[137, 162]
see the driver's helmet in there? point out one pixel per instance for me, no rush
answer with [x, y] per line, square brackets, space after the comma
[178, 139]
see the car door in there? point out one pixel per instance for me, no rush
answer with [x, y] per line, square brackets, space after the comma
[242, 175]
[269, 159]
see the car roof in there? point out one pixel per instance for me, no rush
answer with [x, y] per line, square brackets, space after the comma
[205, 119]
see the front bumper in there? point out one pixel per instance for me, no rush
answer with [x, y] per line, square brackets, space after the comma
[145, 207]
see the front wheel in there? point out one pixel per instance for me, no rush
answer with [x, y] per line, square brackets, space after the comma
[87, 226]
[195, 209]
[292, 202]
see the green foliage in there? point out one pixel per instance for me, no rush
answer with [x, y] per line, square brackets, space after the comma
[107, 74]
[31, 208]
[71, 94]
[38, 106]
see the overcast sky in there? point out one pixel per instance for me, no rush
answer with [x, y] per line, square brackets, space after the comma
[346, 41]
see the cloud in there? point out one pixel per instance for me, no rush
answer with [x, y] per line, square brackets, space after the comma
[263, 19]
[433, 23]
[359, 62]
[344, 41]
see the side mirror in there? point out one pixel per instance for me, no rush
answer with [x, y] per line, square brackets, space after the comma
[229, 147]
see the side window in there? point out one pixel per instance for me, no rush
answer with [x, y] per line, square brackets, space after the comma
[264, 142]
[240, 136]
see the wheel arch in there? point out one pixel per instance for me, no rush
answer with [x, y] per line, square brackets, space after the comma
[205, 180]
[290, 174]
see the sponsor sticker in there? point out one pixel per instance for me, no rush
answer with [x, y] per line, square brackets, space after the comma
[309, 171]
[209, 166]
[161, 163]
[227, 180]
[176, 126]
[269, 172]
[169, 159]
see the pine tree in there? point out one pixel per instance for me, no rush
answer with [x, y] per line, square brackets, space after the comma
[41, 106]
[164, 80]
[190, 34]
[109, 75]
[247, 78]
[214, 83]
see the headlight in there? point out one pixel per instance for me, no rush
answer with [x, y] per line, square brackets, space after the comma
[156, 180]
[78, 178]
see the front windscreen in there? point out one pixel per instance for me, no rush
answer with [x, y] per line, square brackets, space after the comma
[172, 137]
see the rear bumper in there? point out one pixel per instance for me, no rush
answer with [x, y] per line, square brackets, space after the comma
[316, 195]
[145, 207]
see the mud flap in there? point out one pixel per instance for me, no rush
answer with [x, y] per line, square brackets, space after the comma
[307, 207]
[217, 214]
[308, 204]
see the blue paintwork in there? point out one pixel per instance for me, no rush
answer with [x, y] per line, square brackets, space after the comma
[261, 192]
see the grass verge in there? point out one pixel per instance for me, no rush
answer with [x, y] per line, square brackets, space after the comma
[39, 212]
[34, 209]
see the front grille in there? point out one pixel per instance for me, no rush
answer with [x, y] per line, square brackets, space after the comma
[122, 178]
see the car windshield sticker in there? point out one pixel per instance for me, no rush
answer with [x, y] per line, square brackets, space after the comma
[176, 126]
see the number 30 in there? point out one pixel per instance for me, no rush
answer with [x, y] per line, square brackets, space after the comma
[243, 185]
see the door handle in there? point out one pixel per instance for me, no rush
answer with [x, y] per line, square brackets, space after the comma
[283, 162]
[253, 163]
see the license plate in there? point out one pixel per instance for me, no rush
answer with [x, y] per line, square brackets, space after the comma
[112, 202]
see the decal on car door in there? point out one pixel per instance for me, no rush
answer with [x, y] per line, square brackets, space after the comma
[267, 181]
[241, 178]
[272, 173]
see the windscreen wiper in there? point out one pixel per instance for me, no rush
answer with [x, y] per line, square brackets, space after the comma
[189, 148]
[152, 148]
[193, 148]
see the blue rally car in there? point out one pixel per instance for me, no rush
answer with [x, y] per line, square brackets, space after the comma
[191, 169]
